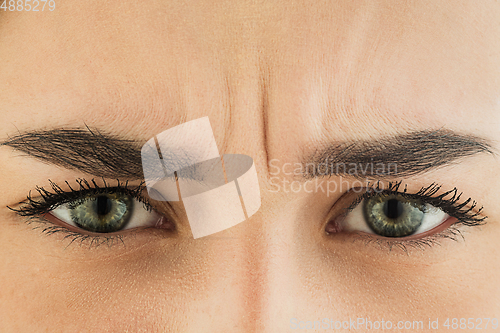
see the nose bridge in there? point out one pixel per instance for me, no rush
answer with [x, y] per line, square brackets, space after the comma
[264, 267]
[265, 239]
[246, 269]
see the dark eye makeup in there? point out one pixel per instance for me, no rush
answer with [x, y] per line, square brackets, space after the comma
[101, 211]
[98, 210]
[393, 217]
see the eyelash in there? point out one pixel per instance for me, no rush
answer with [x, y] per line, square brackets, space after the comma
[448, 201]
[36, 209]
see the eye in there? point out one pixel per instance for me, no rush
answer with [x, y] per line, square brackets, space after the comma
[95, 211]
[404, 219]
[106, 213]
[393, 215]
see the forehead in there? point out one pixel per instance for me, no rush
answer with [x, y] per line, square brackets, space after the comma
[328, 70]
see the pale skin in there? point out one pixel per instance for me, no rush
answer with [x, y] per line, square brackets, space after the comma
[276, 79]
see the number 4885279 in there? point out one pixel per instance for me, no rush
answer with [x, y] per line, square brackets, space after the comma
[27, 5]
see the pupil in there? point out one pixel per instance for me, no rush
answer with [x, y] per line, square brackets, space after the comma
[103, 205]
[393, 208]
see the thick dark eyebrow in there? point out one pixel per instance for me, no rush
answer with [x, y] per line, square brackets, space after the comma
[104, 155]
[397, 156]
[87, 150]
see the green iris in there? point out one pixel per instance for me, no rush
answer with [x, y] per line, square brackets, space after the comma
[393, 216]
[102, 213]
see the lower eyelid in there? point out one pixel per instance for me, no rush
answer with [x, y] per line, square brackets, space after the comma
[49, 218]
[52, 223]
[63, 235]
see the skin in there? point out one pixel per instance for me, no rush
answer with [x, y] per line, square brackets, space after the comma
[276, 79]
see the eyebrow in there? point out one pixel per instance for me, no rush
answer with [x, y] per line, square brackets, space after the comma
[87, 150]
[104, 155]
[395, 156]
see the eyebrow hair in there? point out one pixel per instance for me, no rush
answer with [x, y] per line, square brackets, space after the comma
[87, 150]
[388, 157]
[104, 155]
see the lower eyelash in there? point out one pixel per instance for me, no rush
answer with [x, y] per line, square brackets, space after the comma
[48, 228]
[452, 232]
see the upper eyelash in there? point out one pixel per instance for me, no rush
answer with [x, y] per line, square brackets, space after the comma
[51, 200]
[450, 205]
[466, 216]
